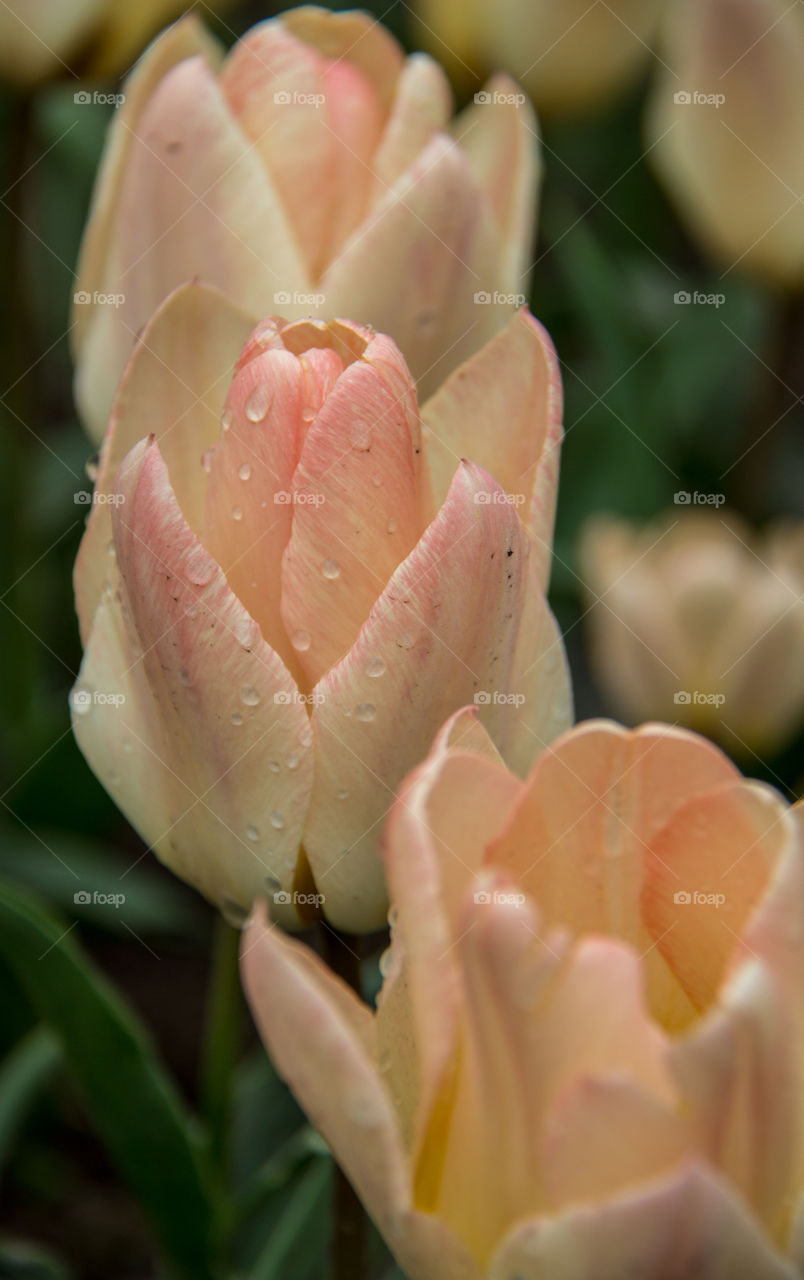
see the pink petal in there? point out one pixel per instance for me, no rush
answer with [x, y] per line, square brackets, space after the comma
[454, 618]
[190, 198]
[514, 382]
[174, 388]
[208, 756]
[361, 464]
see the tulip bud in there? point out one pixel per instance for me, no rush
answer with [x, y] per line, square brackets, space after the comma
[725, 126]
[311, 171]
[587, 1056]
[693, 620]
[287, 586]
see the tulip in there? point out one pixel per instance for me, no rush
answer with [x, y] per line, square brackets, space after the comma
[309, 172]
[693, 620]
[725, 126]
[272, 638]
[570, 56]
[587, 1058]
[44, 38]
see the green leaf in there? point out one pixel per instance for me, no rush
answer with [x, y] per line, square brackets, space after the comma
[129, 1097]
[295, 1246]
[24, 1071]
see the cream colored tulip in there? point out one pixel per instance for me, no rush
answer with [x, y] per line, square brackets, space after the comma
[587, 1059]
[694, 620]
[289, 578]
[43, 38]
[735, 167]
[569, 56]
[311, 171]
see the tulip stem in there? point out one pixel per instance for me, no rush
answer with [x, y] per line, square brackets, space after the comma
[222, 1037]
[349, 1217]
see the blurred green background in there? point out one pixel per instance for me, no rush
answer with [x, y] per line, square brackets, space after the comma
[658, 398]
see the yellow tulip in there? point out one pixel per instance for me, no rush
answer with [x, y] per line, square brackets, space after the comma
[587, 1058]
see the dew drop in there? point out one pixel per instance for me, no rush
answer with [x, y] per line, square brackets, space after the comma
[342, 794]
[257, 403]
[331, 569]
[375, 667]
[276, 820]
[306, 736]
[252, 832]
[226, 419]
[244, 471]
[249, 695]
[385, 961]
[273, 765]
[184, 676]
[110, 549]
[237, 719]
[245, 631]
[376, 481]
[308, 414]
[406, 641]
[206, 460]
[365, 711]
[199, 567]
[237, 513]
[301, 640]
[392, 525]
[234, 913]
[293, 760]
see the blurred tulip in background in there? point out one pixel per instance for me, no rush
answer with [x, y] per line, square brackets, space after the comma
[273, 637]
[588, 1051]
[313, 170]
[693, 619]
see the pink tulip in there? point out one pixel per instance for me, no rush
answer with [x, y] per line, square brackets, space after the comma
[313, 170]
[587, 1060]
[273, 638]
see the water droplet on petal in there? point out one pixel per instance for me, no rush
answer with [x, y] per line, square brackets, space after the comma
[257, 403]
[277, 820]
[376, 481]
[375, 667]
[252, 832]
[365, 711]
[237, 719]
[184, 676]
[308, 414]
[226, 419]
[331, 569]
[199, 567]
[273, 765]
[392, 525]
[237, 513]
[406, 641]
[301, 640]
[206, 460]
[386, 960]
[249, 695]
[293, 760]
[341, 794]
[110, 549]
[306, 736]
[244, 471]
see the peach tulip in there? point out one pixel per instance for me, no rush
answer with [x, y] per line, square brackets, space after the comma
[587, 1058]
[312, 171]
[43, 38]
[725, 126]
[273, 637]
[569, 56]
[693, 619]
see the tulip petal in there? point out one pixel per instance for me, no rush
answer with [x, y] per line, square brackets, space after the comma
[190, 198]
[413, 268]
[343, 549]
[353, 37]
[500, 138]
[174, 388]
[688, 1224]
[581, 838]
[208, 756]
[464, 612]
[421, 107]
[514, 382]
[315, 124]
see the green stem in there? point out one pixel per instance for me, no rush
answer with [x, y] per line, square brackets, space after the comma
[349, 1216]
[222, 1038]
